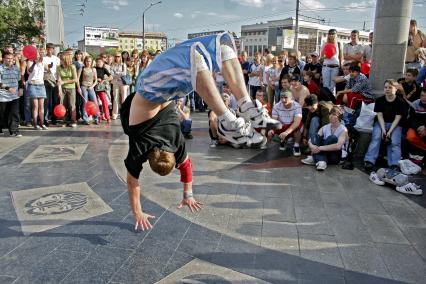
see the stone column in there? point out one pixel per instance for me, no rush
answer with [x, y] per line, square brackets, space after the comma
[391, 27]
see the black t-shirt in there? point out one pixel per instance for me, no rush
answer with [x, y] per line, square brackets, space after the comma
[316, 68]
[389, 109]
[162, 132]
[101, 72]
[246, 67]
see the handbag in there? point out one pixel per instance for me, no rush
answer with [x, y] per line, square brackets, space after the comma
[365, 120]
[100, 87]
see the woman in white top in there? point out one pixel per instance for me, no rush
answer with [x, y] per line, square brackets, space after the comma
[331, 65]
[36, 90]
[266, 69]
[119, 90]
[273, 78]
[328, 145]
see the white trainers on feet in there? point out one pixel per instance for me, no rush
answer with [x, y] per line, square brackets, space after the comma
[257, 115]
[44, 127]
[309, 160]
[321, 165]
[213, 143]
[410, 188]
[375, 179]
[239, 132]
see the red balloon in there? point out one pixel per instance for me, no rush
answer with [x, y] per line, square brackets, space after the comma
[30, 52]
[91, 108]
[329, 50]
[59, 111]
[365, 68]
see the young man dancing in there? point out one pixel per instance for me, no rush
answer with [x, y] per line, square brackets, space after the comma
[149, 118]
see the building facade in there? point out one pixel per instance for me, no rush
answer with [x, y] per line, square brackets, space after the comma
[279, 35]
[153, 41]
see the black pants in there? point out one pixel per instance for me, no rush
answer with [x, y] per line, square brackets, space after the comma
[253, 90]
[9, 115]
[50, 102]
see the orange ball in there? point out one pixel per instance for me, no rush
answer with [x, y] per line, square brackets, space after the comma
[91, 108]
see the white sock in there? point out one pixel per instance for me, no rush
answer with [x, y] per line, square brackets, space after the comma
[244, 100]
[296, 144]
[227, 117]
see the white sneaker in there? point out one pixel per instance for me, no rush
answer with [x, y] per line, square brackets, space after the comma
[309, 160]
[44, 127]
[410, 188]
[239, 132]
[213, 143]
[296, 151]
[375, 179]
[257, 115]
[321, 165]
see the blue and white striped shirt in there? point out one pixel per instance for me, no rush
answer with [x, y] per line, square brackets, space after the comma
[9, 76]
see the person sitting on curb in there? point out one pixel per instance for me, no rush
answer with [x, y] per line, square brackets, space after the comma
[387, 129]
[357, 89]
[327, 146]
[184, 116]
[317, 116]
[416, 134]
[215, 138]
[289, 113]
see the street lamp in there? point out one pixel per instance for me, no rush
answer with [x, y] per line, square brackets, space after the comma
[143, 22]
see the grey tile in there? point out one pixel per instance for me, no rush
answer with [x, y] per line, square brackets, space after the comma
[403, 214]
[321, 279]
[99, 266]
[366, 204]
[7, 279]
[363, 259]
[334, 197]
[382, 229]
[280, 236]
[55, 267]
[416, 237]
[352, 277]
[279, 210]
[320, 248]
[313, 220]
[339, 208]
[403, 262]
[350, 230]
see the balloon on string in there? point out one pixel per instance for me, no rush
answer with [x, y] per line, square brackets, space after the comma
[30, 52]
[365, 68]
[329, 50]
[59, 111]
[91, 108]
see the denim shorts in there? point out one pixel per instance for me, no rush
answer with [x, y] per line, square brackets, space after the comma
[36, 91]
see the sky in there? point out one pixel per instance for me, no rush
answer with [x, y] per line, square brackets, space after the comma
[177, 18]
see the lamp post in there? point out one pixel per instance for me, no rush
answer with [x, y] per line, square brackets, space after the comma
[143, 22]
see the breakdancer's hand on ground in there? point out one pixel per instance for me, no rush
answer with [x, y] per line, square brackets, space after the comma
[142, 221]
[193, 204]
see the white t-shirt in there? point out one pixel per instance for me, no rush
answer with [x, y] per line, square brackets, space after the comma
[286, 115]
[266, 70]
[349, 49]
[255, 81]
[52, 59]
[36, 77]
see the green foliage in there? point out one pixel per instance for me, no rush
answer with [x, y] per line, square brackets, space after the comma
[20, 21]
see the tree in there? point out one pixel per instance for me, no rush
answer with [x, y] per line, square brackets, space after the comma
[20, 21]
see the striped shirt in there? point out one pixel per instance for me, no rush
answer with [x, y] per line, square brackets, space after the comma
[9, 77]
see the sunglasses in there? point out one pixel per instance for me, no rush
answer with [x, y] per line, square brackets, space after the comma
[280, 60]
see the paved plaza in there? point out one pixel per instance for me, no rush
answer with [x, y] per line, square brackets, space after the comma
[65, 217]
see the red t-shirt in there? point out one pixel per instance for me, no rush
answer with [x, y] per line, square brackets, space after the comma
[313, 88]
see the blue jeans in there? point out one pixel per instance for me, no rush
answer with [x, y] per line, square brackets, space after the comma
[330, 157]
[314, 126]
[186, 126]
[393, 149]
[277, 94]
[422, 75]
[328, 73]
[88, 94]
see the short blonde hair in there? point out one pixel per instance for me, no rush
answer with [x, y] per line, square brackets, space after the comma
[161, 162]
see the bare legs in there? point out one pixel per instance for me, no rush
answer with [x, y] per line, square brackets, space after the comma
[38, 111]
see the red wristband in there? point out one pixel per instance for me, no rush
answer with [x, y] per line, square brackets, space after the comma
[186, 171]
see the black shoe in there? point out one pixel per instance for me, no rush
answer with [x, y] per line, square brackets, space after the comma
[347, 165]
[1, 132]
[368, 167]
[188, 136]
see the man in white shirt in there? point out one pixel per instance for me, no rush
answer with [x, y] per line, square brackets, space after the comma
[289, 113]
[50, 62]
[353, 51]
[255, 76]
